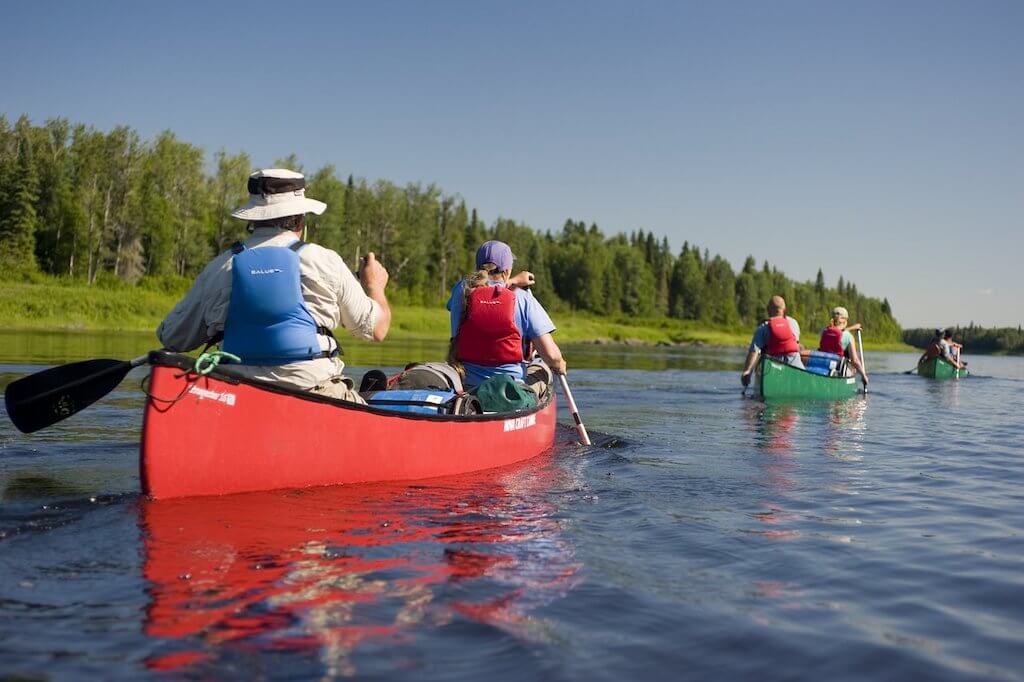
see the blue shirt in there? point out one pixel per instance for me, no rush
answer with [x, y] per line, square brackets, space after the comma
[530, 318]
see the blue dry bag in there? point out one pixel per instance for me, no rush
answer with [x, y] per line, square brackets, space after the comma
[820, 362]
[417, 401]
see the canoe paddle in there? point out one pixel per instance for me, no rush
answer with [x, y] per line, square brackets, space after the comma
[580, 428]
[52, 395]
[863, 364]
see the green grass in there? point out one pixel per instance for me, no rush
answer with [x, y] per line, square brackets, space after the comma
[58, 304]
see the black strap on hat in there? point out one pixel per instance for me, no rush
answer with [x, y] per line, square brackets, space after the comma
[267, 185]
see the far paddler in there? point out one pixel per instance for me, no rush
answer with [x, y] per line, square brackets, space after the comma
[778, 337]
[837, 338]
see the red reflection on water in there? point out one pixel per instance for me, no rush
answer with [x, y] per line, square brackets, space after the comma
[329, 568]
[840, 424]
[837, 425]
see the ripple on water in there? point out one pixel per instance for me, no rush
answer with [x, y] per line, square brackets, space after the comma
[880, 538]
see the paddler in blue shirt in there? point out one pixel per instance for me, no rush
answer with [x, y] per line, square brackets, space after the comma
[495, 321]
[778, 337]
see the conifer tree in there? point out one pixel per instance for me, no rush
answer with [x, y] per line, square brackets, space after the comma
[18, 220]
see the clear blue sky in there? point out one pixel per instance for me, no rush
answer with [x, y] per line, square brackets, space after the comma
[882, 141]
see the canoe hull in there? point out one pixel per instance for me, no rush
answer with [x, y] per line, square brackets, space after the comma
[939, 368]
[779, 381]
[228, 436]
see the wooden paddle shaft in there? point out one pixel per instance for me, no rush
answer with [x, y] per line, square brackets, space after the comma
[580, 428]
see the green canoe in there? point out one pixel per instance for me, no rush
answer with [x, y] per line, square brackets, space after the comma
[778, 380]
[939, 368]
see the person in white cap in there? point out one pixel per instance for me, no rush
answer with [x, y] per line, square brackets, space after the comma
[274, 299]
[837, 338]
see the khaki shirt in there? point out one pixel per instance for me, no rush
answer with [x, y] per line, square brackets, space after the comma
[332, 294]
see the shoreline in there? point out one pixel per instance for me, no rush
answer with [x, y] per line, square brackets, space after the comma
[401, 335]
[61, 307]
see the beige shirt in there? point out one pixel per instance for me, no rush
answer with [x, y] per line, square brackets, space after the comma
[332, 294]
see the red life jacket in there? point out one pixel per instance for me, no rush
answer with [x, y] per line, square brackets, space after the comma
[831, 340]
[781, 339]
[488, 334]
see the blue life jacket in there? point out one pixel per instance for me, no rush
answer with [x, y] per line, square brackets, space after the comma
[268, 322]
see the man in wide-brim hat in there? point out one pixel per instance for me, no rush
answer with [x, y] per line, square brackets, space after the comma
[287, 298]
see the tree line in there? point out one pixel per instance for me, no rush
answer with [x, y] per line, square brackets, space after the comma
[112, 209]
[975, 339]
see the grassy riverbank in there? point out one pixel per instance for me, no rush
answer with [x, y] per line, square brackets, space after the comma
[55, 305]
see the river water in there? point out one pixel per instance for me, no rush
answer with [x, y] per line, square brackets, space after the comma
[714, 537]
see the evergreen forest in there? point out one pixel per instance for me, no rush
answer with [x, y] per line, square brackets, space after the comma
[110, 209]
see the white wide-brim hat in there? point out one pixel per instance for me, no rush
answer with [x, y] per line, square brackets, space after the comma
[276, 193]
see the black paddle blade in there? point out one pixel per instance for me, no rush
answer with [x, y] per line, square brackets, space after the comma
[44, 398]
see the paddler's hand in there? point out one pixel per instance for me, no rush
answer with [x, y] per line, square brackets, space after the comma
[864, 380]
[559, 367]
[372, 274]
[524, 280]
[745, 379]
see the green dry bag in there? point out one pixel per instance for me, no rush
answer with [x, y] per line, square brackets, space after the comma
[502, 393]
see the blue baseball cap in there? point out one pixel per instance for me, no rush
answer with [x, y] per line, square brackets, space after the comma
[495, 252]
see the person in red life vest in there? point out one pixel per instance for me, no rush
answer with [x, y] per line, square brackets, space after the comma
[778, 337]
[934, 348]
[943, 346]
[837, 338]
[273, 300]
[495, 320]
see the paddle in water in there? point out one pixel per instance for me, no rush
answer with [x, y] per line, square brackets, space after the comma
[580, 428]
[863, 365]
[45, 398]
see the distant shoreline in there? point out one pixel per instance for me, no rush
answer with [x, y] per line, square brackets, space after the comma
[62, 307]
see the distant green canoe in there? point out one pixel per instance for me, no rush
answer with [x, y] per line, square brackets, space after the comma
[940, 368]
[781, 381]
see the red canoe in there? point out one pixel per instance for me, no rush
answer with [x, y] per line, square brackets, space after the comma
[219, 434]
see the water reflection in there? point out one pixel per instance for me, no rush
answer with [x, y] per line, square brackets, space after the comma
[944, 396]
[784, 429]
[336, 570]
[840, 425]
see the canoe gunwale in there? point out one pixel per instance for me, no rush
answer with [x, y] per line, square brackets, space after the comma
[224, 373]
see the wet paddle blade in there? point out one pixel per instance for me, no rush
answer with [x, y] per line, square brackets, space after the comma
[45, 398]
